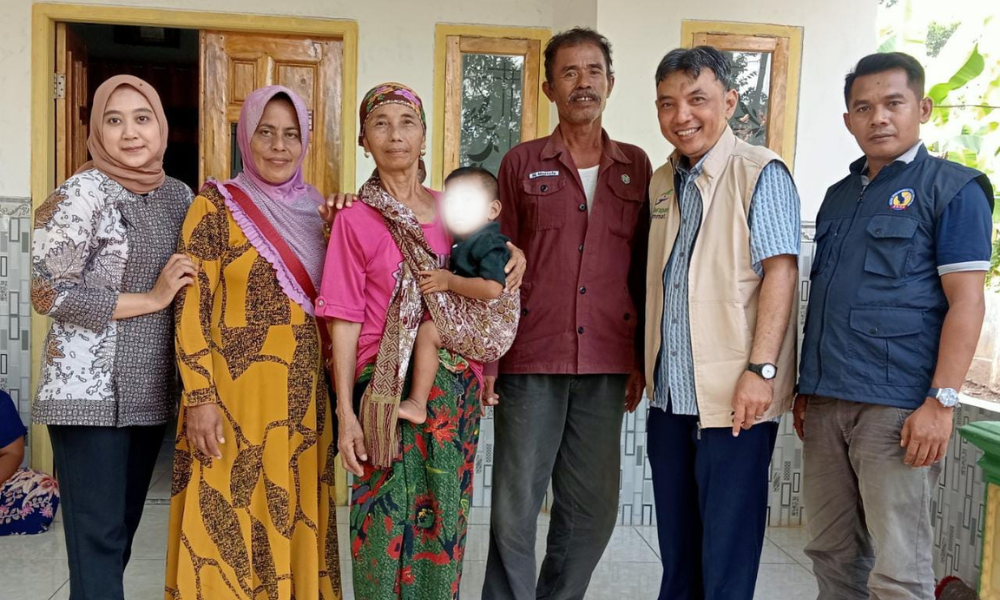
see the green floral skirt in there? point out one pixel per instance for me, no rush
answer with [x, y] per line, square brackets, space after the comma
[409, 523]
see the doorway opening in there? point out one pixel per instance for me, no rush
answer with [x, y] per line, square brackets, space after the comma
[166, 58]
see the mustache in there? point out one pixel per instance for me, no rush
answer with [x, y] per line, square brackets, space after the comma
[584, 94]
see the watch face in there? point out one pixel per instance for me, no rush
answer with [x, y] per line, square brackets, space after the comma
[948, 397]
[768, 371]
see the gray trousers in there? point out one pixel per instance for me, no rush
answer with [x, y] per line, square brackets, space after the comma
[567, 428]
[869, 514]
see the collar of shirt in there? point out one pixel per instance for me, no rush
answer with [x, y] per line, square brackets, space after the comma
[905, 158]
[556, 146]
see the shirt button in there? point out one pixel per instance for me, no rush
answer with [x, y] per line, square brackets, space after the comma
[544, 188]
[524, 312]
[677, 286]
[674, 321]
[674, 353]
[878, 232]
[579, 330]
[583, 207]
[581, 247]
[627, 316]
[873, 330]
[583, 290]
[320, 302]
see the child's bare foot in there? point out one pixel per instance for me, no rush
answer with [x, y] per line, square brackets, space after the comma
[413, 411]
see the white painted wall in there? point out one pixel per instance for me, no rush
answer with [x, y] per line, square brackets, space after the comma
[396, 42]
[836, 35]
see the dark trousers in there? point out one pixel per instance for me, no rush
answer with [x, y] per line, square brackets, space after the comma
[104, 473]
[711, 505]
[567, 428]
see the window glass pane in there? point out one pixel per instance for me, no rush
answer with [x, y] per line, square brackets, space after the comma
[752, 74]
[236, 163]
[491, 108]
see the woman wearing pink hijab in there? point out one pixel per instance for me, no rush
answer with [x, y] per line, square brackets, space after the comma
[252, 509]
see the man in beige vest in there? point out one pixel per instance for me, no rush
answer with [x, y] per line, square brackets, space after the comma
[720, 337]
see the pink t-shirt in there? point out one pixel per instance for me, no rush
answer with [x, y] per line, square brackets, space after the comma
[362, 266]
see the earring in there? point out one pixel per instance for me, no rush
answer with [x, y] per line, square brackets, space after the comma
[367, 155]
[423, 153]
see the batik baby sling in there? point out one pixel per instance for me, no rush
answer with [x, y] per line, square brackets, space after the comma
[479, 330]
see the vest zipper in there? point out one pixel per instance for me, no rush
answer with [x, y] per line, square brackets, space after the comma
[826, 298]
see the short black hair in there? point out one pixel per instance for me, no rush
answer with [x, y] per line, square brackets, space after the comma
[487, 179]
[692, 60]
[576, 37]
[886, 61]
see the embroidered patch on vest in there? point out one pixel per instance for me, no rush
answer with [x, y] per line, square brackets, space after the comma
[663, 197]
[902, 199]
[538, 174]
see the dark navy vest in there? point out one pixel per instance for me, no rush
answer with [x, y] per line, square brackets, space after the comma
[876, 305]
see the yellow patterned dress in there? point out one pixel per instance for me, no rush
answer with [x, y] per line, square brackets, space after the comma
[261, 522]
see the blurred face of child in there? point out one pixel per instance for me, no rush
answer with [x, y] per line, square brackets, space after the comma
[468, 206]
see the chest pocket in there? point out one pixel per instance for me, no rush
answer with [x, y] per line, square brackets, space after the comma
[546, 208]
[628, 201]
[890, 242]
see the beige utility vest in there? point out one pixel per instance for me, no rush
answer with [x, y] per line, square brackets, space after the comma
[723, 288]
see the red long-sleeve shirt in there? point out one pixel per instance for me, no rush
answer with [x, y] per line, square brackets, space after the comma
[583, 293]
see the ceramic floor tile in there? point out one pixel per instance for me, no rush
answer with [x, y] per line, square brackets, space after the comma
[785, 582]
[792, 540]
[151, 539]
[648, 534]
[620, 580]
[48, 545]
[627, 546]
[32, 578]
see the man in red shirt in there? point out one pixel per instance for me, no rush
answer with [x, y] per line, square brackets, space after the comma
[576, 202]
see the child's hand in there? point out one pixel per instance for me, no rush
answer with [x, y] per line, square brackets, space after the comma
[438, 280]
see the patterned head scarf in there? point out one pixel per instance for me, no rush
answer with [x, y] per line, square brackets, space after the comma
[149, 176]
[389, 93]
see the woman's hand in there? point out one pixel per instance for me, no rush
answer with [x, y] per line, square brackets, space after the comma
[204, 429]
[177, 273]
[334, 204]
[515, 268]
[351, 444]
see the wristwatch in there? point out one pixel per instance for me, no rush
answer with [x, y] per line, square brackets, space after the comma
[766, 370]
[946, 396]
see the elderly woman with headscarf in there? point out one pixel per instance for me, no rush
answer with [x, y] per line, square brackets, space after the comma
[103, 269]
[413, 483]
[252, 509]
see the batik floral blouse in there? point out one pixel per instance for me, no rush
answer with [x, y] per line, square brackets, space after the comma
[94, 240]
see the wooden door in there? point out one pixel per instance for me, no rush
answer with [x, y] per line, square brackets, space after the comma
[235, 64]
[72, 107]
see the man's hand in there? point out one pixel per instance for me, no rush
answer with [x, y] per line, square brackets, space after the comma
[634, 389]
[799, 413]
[752, 399]
[487, 394]
[515, 268]
[438, 280]
[926, 434]
[334, 203]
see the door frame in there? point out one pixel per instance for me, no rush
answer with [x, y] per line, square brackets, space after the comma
[441, 33]
[43, 62]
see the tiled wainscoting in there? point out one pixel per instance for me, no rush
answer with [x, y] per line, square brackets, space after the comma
[15, 303]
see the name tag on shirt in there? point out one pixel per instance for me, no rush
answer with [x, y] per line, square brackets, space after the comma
[538, 174]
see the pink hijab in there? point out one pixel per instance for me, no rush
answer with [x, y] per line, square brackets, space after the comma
[291, 206]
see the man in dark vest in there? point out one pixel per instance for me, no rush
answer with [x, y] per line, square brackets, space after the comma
[895, 310]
